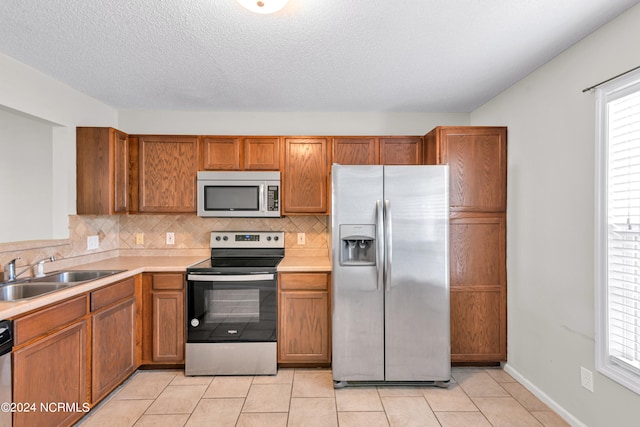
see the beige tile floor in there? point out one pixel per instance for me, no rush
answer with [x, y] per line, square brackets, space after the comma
[306, 397]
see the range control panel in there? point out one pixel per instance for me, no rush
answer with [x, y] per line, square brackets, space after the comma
[247, 239]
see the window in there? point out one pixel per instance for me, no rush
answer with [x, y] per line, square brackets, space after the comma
[618, 231]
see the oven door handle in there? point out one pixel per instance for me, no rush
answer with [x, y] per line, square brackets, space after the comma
[229, 277]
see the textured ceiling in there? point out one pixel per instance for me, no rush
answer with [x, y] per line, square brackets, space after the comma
[313, 55]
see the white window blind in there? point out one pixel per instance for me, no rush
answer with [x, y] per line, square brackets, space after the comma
[623, 225]
[617, 266]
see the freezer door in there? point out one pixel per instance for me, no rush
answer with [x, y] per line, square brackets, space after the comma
[357, 297]
[417, 278]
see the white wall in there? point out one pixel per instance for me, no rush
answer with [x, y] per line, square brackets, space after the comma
[25, 177]
[25, 90]
[219, 123]
[550, 221]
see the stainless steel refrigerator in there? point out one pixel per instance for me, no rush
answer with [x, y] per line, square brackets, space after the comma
[390, 277]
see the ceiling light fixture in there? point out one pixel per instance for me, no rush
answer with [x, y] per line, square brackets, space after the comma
[263, 6]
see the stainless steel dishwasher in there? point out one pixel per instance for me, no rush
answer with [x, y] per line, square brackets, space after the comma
[6, 343]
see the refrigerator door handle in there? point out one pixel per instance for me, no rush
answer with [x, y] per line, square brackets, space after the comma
[387, 242]
[379, 245]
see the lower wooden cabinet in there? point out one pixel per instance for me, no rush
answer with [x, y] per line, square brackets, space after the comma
[304, 336]
[478, 288]
[53, 369]
[113, 347]
[163, 318]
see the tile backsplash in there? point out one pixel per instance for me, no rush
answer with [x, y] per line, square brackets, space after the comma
[117, 236]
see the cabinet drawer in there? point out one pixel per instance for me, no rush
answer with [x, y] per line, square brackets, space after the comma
[43, 321]
[168, 281]
[112, 293]
[303, 281]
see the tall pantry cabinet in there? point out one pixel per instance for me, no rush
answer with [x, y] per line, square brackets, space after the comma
[477, 159]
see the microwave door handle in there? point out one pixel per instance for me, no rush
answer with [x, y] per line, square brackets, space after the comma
[261, 197]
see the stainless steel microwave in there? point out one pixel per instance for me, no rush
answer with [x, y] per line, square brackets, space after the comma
[238, 194]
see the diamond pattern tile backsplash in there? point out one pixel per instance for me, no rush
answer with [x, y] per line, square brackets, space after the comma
[192, 232]
[117, 235]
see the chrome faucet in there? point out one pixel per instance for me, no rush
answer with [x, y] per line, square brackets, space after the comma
[40, 266]
[10, 269]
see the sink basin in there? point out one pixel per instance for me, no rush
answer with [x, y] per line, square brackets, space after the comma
[22, 291]
[74, 276]
[36, 286]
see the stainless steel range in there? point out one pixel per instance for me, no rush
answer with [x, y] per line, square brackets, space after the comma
[232, 305]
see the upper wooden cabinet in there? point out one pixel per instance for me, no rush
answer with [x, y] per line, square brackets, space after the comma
[103, 171]
[168, 169]
[373, 150]
[261, 153]
[477, 158]
[306, 175]
[241, 153]
[221, 153]
[356, 150]
[405, 150]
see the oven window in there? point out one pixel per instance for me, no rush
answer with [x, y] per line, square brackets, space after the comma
[232, 311]
[231, 305]
[231, 198]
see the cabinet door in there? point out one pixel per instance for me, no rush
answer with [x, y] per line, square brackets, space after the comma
[221, 153]
[262, 153]
[168, 326]
[303, 335]
[168, 169]
[121, 171]
[113, 347]
[477, 158]
[103, 172]
[400, 150]
[355, 151]
[306, 175]
[53, 369]
[478, 288]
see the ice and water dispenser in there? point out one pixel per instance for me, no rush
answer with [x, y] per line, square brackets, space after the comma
[358, 244]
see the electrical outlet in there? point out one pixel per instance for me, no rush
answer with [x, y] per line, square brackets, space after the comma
[301, 238]
[93, 242]
[171, 238]
[139, 238]
[586, 378]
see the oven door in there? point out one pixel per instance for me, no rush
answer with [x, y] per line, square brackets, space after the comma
[232, 308]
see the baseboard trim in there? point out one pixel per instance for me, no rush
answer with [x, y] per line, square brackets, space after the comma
[566, 415]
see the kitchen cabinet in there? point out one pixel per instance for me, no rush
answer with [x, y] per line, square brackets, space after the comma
[477, 172]
[241, 153]
[401, 150]
[478, 288]
[113, 332]
[103, 172]
[377, 150]
[356, 150]
[221, 153]
[477, 158]
[304, 319]
[50, 362]
[306, 175]
[168, 167]
[163, 309]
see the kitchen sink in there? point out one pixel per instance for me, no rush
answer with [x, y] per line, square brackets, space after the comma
[36, 286]
[74, 276]
[22, 291]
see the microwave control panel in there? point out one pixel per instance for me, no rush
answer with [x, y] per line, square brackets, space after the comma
[272, 198]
